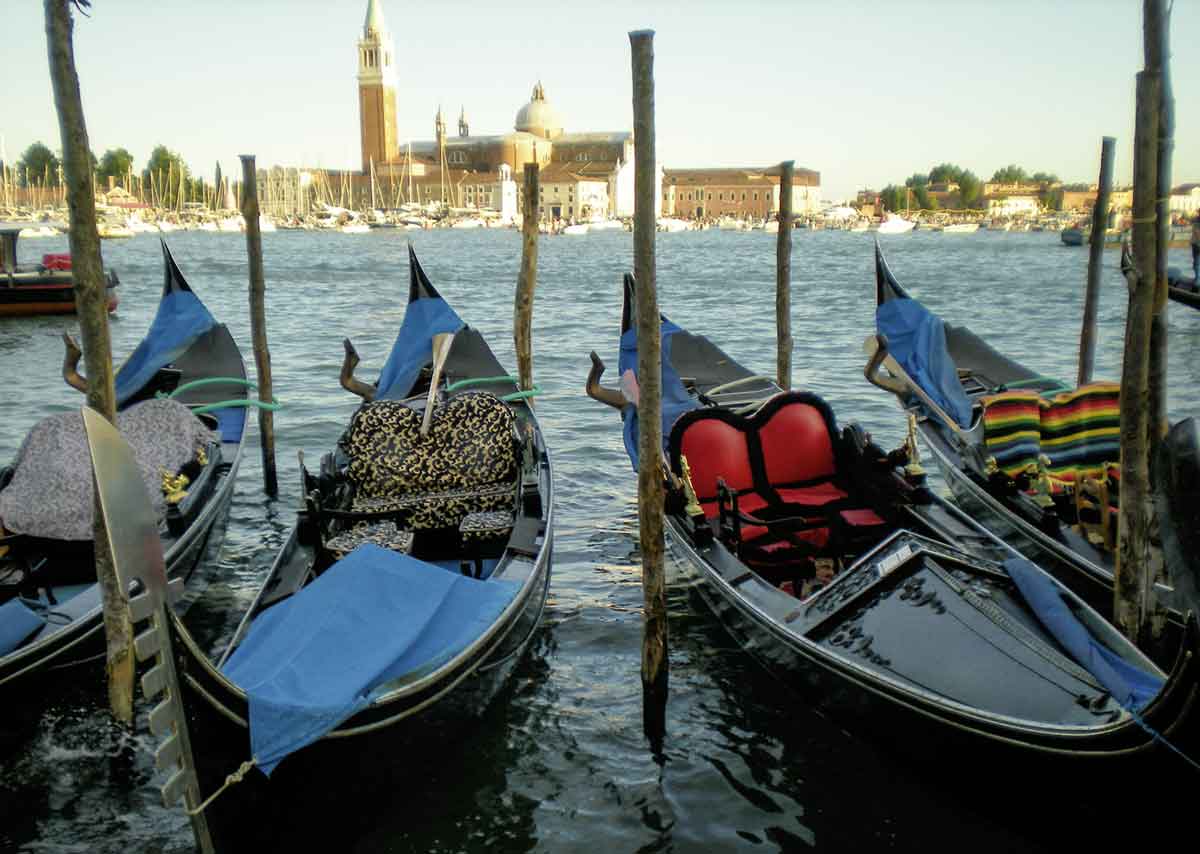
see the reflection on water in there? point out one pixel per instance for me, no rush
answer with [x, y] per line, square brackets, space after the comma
[560, 763]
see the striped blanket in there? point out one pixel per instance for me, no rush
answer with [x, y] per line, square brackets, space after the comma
[1079, 430]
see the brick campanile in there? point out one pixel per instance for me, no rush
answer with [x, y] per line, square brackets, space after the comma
[376, 89]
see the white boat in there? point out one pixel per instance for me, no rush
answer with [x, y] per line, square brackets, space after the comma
[771, 226]
[469, 222]
[166, 226]
[672, 224]
[139, 226]
[233, 223]
[860, 225]
[38, 231]
[109, 231]
[606, 225]
[961, 228]
[578, 228]
[265, 223]
[355, 228]
[895, 224]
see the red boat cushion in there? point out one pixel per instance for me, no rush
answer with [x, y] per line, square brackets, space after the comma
[861, 518]
[812, 496]
[57, 261]
[716, 449]
[796, 444]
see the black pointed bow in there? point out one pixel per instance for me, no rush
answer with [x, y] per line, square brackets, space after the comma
[886, 286]
[173, 279]
[419, 285]
[628, 304]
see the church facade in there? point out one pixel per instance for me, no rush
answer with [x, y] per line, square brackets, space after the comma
[589, 175]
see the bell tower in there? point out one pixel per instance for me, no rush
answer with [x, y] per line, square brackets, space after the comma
[376, 89]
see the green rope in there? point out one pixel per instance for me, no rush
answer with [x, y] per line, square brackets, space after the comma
[474, 381]
[209, 381]
[273, 406]
[522, 395]
[1035, 381]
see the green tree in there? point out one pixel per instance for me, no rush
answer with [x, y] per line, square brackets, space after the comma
[1044, 178]
[38, 164]
[1010, 174]
[969, 189]
[1052, 199]
[945, 173]
[162, 175]
[892, 197]
[116, 163]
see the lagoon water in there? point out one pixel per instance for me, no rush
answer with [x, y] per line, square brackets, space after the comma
[560, 763]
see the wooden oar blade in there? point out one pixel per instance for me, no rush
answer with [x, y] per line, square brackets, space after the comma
[441, 351]
[128, 516]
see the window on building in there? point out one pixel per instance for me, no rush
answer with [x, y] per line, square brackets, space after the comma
[710, 197]
[743, 195]
[756, 196]
[457, 157]
[583, 157]
[721, 197]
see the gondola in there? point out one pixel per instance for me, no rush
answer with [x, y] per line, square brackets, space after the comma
[414, 578]
[830, 561]
[1035, 461]
[1182, 289]
[44, 288]
[50, 613]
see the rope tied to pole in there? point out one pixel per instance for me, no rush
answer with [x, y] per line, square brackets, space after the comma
[236, 777]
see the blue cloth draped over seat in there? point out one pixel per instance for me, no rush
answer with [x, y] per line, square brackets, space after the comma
[17, 624]
[313, 660]
[1129, 685]
[424, 318]
[675, 397]
[917, 339]
[180, 320]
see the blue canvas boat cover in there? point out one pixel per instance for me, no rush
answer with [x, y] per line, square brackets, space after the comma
[675, 398]
[1129, 685]
[917, 339]
[313, 660]
[424, 318]
[180, 320]
[17, 623]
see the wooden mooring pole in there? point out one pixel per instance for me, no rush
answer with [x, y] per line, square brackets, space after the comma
[258, 322]
[650, 474]
[91, 302]
[527, 280]
[1157, 51]
[1091, 300]
[1133, 581]
[783, 278]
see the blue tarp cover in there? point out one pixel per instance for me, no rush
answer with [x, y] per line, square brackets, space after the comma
[180, 320]
[423, 319]
[17, 622]
[312, 661]
[917, 339]
[1129, 685]
[231, 422]
[675, 399]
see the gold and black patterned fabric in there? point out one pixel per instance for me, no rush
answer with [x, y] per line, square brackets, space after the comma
[484, 527]
[383, 534]
[467, 464]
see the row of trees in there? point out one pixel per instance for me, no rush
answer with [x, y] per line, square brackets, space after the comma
[41, 167]
[915, 191]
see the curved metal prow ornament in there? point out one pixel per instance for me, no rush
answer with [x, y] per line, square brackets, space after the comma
[138, 559]
[349, 383]
[70, 368]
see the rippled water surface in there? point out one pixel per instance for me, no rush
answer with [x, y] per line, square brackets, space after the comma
[560, 762]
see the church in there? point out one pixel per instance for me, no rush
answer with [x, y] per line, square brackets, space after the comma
[582, 176]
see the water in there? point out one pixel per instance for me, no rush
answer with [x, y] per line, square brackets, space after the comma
[560, 762]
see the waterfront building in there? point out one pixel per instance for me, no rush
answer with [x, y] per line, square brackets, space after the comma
[453, 169]
[737, 192]
[1185, 199]
[1080, 198]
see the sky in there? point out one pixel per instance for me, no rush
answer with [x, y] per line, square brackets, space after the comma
[864, 93]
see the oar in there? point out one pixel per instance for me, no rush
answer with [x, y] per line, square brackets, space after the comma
[441, 350]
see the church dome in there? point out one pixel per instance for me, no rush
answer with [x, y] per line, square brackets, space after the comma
[538, 117]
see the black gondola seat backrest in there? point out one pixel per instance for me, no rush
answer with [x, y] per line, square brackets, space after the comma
[785, 453]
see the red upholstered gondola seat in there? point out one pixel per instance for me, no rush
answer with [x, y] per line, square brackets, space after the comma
[781, 463]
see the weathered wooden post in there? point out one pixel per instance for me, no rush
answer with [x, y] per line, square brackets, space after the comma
[1156, 45]
[91, 301]
[655, 664]
[527, 280]
[258, 322]
[783, 278]
[1133, 578]
[1091, 300]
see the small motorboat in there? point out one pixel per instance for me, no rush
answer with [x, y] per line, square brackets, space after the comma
[45, 288]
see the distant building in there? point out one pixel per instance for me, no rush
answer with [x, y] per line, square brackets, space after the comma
[1185, 199]
[1081, 200]
[695, 193]
[441, 168]
[1014, 206]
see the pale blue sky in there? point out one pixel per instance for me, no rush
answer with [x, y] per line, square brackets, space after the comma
[863, 92]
